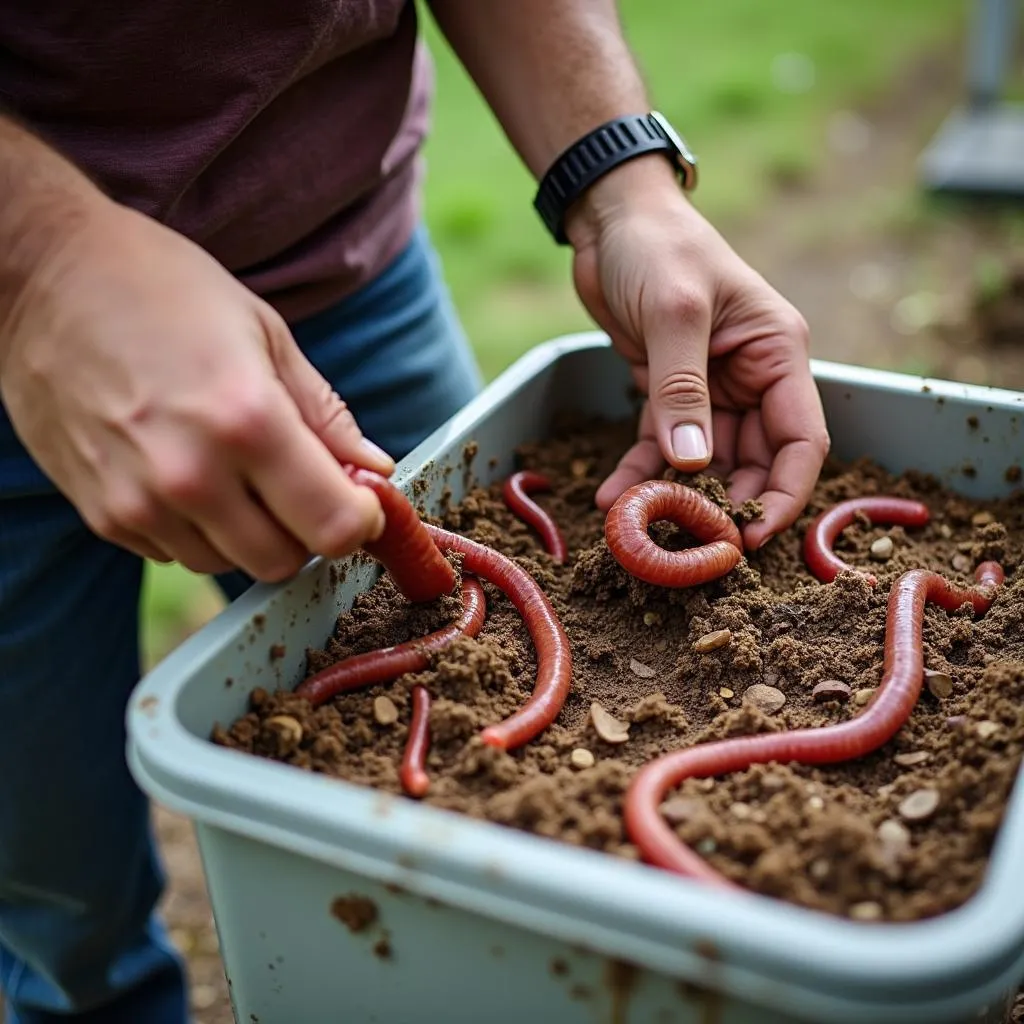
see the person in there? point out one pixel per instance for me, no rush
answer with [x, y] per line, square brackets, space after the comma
[216, 288]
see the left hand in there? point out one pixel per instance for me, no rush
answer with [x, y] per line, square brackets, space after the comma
[723, 358]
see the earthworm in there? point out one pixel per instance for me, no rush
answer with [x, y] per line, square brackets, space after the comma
[390, 662]
[516, 492]
[554, 655]
[625, 531]
[822, 533]
[413, 774]
[419, 570]
[902, 678]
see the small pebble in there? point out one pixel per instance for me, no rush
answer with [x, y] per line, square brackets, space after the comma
[726, 692]
[740, 810]
[772, 783]
[986, 730]
[638, 668]
[712, 641]
[920, 805]
[911, 758]
[610, 729]
[758, 816]
[869, 910]
[983, 518]
[882, 549]
[578, 467]
[960, 562]
[680, 808]
[956, 721]
[287, 729]
[582, 758]
[940, 685]
[815, 803]
[706, 846]
[651, 618]
[765, 698]
[862, 697]
[819, 869]
[830, 689]
[945, 530]
[893, 834]
[384, 711]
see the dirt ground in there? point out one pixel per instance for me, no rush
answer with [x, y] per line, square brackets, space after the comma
[881, 282]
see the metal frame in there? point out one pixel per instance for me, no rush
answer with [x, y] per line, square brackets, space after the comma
[979, 148]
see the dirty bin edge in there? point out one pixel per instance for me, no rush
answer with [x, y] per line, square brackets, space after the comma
[195, 650]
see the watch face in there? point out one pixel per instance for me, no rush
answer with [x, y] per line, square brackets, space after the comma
[686, 159]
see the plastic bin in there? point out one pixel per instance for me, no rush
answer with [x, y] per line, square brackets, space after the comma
[477, 922]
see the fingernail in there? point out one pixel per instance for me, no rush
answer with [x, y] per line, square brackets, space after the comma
[380, 525]
[375, 452]
[765, 541]
[688, 443]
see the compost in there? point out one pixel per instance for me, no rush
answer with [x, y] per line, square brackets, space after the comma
[844, 738]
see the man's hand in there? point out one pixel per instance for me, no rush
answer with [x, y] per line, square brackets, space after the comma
[173, 407]
[722, 357]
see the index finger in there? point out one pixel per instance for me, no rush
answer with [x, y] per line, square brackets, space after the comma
[307, 490]
[793, 421]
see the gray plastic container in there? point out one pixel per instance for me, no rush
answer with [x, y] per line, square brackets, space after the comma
[480, 923]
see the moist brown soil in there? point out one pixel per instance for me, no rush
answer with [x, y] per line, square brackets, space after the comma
[806, 835]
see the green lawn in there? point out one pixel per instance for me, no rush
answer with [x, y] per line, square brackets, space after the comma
[715, 70]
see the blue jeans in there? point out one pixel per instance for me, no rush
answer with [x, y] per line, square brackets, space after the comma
[79, 875]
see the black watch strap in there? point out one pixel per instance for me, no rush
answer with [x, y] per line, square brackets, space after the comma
[598, 152]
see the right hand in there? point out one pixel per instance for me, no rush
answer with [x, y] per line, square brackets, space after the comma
[174, 409]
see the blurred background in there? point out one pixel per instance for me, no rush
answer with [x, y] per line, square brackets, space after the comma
[809, 118]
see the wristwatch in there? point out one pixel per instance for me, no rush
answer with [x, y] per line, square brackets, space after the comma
[601, 150]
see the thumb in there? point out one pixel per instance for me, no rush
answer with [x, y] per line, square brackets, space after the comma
[677, 361]
[320, 406]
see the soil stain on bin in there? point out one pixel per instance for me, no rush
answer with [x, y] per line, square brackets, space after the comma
[902, 834]
[356, 912]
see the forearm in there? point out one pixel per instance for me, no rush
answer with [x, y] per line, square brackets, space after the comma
[44, 199]
[553, 70]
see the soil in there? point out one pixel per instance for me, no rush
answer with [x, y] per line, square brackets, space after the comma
[810, 836]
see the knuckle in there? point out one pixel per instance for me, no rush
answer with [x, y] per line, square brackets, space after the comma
[687, 306]
[244, 420]
[822, 443]
[683, 389]
[134, 513]
[795, 326]
[183, 485]
[103, 524]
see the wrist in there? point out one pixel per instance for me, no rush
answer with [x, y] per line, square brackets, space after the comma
[48, 204]
[648, 182]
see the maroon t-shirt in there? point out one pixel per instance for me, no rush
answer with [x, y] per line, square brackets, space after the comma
[280, 135]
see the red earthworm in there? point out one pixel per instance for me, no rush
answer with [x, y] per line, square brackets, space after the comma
[625, 531]
[883, 717]
[516, 492]
[822, 533]
[413, 773]
[419, 570]
[390, 662]
[554, 655]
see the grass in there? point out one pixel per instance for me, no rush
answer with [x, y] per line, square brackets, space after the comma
[751, 85]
